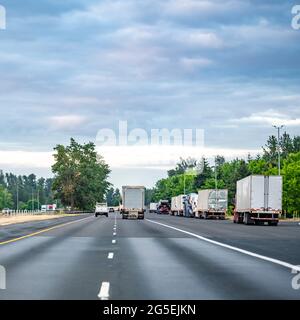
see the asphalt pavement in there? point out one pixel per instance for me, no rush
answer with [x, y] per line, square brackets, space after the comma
[161, 257]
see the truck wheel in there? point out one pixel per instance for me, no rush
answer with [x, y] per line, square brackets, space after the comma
[107, 215]
[247, 219]
[205, 216]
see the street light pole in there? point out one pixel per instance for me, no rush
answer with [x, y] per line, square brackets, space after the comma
[17, 194]
[278, 128]
[216, 182]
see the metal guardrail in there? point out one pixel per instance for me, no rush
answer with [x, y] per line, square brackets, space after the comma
[13, 213]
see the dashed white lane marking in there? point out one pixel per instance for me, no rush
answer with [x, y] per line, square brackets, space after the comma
[249, 253]
[114, 234]
[110, 255]
[114, 241]
[104, 291]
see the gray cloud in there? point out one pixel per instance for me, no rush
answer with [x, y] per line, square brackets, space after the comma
[73, 67]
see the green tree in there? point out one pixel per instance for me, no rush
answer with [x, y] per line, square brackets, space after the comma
[80, 175]
[291, 183]
[6, 200]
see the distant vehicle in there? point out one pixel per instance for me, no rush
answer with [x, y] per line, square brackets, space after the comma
[163, 207]
[258, 200]
[6, 211]
[177, 205]
[48, 207]
[133, 202]
[153, 207]
[101, 210]
[111, 209]
[212, 204]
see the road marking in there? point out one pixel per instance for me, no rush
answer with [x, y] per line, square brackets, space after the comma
[104, 291]
[114, 241]
[42, 231]
[110, 255]
[114, 234]
[249, 253]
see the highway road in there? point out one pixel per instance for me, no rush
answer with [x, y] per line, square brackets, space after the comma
[161, 257]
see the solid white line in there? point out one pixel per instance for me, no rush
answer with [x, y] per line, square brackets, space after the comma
[249, 253]
[104, 291]
[114, 241]
[110, 255]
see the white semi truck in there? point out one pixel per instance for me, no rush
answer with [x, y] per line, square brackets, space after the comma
[212, 203]
[133, 202]
[258, 200]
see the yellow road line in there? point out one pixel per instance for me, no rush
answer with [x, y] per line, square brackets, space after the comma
[41, 231]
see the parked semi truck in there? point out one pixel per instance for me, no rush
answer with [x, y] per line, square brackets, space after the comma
[212, 203]
[133, 202]
[177, 205]
[153, 207]
[258, 200]
[163, 207]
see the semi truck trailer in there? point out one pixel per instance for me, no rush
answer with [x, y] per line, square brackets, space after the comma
[133, 202]
[212, 203]
[258, 200]
[177, 205]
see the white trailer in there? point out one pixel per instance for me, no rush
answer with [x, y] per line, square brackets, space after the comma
[212, 203]
[133, 202]
[177, 205]
[258, 200]
[153, 207]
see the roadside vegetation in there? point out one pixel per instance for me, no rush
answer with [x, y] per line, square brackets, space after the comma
[229, 172]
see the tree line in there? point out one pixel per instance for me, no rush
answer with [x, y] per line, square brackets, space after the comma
[229, 172]
[80, 180]
[24, 192]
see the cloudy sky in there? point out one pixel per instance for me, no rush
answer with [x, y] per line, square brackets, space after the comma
[73, 67]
